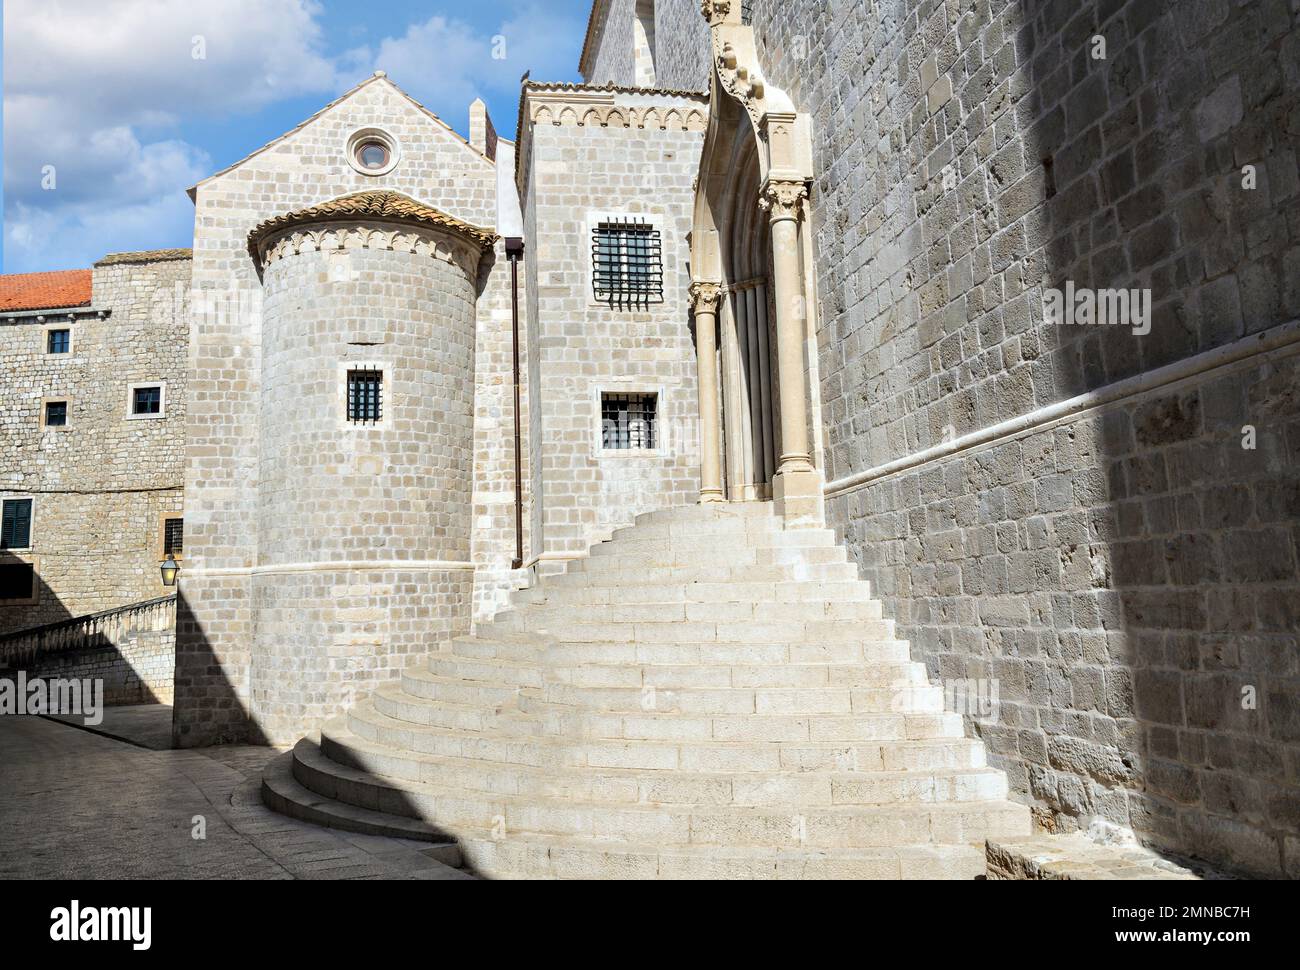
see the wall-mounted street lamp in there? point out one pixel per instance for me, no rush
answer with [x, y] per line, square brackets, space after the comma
[169, 569]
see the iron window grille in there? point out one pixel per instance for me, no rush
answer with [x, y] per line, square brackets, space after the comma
[59, 342]
[365, 396]
[16, 524]
[629, 422]
[56, 414]
[146, 400]
[627, 263]
[173, 537]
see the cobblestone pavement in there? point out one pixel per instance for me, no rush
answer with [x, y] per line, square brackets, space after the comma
[75, 805]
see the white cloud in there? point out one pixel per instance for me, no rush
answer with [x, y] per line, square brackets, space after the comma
[93, 89]
[446, 62]
[98, 90]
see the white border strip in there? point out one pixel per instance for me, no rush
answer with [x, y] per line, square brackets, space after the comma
[1276, 338]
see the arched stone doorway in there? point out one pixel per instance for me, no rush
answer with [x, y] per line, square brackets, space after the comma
[752, 289]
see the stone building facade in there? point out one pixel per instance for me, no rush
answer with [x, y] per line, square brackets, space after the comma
[863, 214]
[99, 480]
[1102, 522]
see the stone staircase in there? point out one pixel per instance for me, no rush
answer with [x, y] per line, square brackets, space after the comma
[708, 694]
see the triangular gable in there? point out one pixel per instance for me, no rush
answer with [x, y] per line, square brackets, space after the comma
[373, 79]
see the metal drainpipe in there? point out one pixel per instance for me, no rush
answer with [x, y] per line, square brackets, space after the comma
[514, 251]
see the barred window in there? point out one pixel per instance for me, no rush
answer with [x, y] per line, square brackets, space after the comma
[627, 263]
[628, 421]
[56, 414]
[365, 396]
[173, 537]
[60, 342]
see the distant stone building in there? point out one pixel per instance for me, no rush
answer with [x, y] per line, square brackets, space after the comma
[806, 255]
[92, 434]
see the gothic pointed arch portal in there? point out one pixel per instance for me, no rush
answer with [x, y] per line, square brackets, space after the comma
[752, 289]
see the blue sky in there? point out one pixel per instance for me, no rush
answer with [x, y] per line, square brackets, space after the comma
[109, 116]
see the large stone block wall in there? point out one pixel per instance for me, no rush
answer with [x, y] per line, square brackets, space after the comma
[578, 172]
[1126, 574]
[101, 485]
[395, 493]
[307, 166]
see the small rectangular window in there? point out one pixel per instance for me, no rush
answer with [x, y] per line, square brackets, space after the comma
[173, 537]
[627, 263]
[146, 400]
[628, 421]
[365, 396]
[16, 525]
[56, 414]
[17, 581]
[59, 341]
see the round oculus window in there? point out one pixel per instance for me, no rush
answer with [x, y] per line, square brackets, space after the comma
[372, 155]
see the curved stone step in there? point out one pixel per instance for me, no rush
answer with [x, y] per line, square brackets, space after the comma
[284, 793]
[614, 785]
[851, 826]
[738, 614]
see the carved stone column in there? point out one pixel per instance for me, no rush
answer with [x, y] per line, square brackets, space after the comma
[704, 300]
[797, 486]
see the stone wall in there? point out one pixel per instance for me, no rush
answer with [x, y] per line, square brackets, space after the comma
[612, 56]
[102, 484]
[1125, 569]
[131, 649]
[576, 174]
[218, 614]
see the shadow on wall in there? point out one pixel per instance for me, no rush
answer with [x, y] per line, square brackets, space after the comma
[129, 649]
[209, 708]
[26, 600]
[1168, 161]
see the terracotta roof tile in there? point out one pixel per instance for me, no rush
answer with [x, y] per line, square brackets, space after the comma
[146, 256]
[45, 291]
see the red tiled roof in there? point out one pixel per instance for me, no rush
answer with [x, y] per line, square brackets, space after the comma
[45, 291]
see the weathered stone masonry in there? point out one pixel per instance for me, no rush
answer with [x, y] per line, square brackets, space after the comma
[1125, 572]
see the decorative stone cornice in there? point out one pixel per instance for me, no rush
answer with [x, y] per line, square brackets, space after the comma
[705, 297]
[369, 220]
[593, 110]
[349, 237]
[783, 199]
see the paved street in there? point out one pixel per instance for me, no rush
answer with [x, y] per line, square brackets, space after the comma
[76, 805]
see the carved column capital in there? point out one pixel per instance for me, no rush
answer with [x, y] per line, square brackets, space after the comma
[705, 296]
[783, 200]
[715, 11]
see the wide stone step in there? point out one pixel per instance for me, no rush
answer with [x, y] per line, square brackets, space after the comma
[854, 591]
[803, 752]
[511, 645]
[718, 555]
[704, 544]
[284, 793]
[621, 786]
[613, 575]
[746, 700]
[528, 673]
[576, 628]
[793, 826]
[558, 615]
[524, 857]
